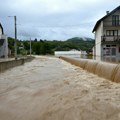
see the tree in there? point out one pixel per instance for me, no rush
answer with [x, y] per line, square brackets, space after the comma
[48, 47]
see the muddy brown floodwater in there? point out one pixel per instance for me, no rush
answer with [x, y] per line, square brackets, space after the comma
[51, 89]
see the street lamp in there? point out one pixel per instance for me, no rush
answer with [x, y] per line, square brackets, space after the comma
[15, 25]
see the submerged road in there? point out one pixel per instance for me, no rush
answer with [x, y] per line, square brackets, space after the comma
[51, 89]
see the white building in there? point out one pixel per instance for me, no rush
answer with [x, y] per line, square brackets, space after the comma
[3, 44]
[107, 35]
[71, 53]
[68, 53]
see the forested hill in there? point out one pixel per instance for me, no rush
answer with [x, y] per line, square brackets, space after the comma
[82, 43]
[48, 47]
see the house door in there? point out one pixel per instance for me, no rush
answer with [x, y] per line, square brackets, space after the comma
[109, 51]
[113, 51]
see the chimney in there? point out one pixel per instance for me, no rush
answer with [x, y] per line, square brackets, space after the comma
[107, 12]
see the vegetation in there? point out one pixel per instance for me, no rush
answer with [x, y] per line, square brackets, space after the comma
[43, 47]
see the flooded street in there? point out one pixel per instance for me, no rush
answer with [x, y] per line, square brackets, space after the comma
[49, 88]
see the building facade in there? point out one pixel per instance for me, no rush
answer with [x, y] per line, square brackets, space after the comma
[3, 44]
[107, 35]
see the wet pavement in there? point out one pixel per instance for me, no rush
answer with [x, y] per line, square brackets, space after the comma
[51, 89]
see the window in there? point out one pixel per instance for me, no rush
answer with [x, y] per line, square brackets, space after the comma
[107, 33]
[115, 20]
[107, 45]
[115, 32]
[113, 45]
[112, 32]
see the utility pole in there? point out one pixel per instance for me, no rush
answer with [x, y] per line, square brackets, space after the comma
[15, 44]
[30, 47]
[15, 38]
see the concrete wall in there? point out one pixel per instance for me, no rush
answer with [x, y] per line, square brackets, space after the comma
[12, 63]
[102, 69]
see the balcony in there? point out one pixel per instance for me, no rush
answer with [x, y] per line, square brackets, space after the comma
[111, 23]
[110, 39]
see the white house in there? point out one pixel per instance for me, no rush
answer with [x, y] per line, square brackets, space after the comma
[107, 35]
[3, 44]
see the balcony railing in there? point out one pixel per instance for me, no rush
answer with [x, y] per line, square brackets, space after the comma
[110, 39]
[110, 23]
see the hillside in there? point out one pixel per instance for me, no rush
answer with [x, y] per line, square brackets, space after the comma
[80, 38]
[82, 43]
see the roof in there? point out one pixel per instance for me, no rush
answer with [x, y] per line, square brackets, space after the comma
[1, 28]
[98, 22]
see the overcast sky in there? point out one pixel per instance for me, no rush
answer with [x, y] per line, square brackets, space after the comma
[53, 19]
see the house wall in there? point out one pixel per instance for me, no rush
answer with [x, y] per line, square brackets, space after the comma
[107, 49]
[115, 13]
[0, 32]
[108, 21]
[118, 51]
[1, 47]
[98, 34]
[110, 27]
[4, 47]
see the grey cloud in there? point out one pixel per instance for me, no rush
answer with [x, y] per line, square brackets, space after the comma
[53, 19]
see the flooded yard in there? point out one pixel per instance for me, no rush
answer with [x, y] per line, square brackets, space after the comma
[49, 88]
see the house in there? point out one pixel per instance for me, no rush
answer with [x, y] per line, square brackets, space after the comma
[3, 44]
[107, 35]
